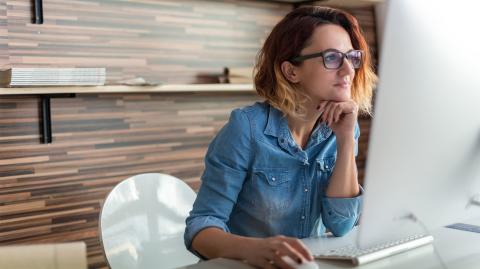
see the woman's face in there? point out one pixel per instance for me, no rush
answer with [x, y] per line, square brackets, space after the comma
[325, 84]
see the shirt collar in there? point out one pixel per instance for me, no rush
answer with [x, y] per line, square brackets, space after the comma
[277, 126]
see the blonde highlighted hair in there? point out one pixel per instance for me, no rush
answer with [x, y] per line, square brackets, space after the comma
[287, 40]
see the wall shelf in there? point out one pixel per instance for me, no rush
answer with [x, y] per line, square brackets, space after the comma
[46, 93]
[167, 88]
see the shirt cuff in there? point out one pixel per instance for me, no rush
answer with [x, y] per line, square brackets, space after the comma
[341, 214]
[195, 225]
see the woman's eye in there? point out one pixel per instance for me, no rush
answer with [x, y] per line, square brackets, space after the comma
[330, 58]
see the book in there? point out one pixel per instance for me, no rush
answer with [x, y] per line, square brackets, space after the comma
[37, 76]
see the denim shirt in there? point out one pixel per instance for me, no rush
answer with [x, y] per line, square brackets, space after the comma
[258, 182]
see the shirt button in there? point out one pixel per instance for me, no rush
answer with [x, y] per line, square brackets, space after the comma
[326, 166]
[306, 190]
[303, 217]
[273, 178]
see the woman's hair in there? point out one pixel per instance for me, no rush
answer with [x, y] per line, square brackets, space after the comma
[287, 40]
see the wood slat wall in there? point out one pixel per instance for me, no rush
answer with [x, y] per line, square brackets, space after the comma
[3, 35]
[53, 193]
[188, 41]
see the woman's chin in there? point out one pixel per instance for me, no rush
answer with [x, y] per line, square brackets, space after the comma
[336, 97]
[341, 98]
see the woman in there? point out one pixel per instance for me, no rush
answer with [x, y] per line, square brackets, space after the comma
[285, 169]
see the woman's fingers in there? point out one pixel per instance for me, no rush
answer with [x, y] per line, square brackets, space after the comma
[284, 252]
[280, 252]
[333, 111]
[286, 249]
[329, 110]
[337, 113]
[275, 259]
[280, 262]
[326, 112]
[335, 107]
[321, 107]
[301, 248]
[268, 264]
[350, 107]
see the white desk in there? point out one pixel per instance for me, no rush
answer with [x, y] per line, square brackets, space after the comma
[458, 249]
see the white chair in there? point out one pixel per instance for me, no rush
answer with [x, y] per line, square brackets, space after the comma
[142, 223]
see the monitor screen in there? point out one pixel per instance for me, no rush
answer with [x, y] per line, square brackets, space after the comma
[424, 149]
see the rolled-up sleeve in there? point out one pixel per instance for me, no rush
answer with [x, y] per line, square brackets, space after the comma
[226, 165]
[339, 215]
[356, 136]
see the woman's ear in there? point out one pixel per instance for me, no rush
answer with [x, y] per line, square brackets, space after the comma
[290, 72]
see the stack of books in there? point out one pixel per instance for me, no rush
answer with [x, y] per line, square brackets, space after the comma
[33, 77]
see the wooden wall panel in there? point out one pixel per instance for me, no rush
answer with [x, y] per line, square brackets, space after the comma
[3, 34]
[53, 193]
[188, 41]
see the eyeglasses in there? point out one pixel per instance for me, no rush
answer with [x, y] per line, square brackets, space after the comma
[333, 59]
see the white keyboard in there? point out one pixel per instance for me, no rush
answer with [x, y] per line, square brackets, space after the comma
[361, 256]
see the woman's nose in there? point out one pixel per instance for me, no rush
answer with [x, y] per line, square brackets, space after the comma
[346, 68]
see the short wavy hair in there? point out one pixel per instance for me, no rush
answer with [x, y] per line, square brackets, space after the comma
[287, 40]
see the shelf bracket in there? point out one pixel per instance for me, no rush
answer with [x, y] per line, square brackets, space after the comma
[46, 116]
[37, 11]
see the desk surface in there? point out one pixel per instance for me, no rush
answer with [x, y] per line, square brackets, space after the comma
[458, 249]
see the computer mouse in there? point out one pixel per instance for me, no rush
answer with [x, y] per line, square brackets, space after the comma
[304, 265]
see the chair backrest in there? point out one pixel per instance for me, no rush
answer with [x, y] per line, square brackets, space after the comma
[142, 223]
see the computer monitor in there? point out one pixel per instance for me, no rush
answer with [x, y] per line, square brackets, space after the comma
[424, 150]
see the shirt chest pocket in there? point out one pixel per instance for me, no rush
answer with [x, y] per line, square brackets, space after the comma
[272, 177]
[271, 191]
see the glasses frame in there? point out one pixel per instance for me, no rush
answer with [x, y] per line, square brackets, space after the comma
[301, 58]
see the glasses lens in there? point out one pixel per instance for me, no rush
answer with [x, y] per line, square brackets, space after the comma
[355, 57]
[332, 59]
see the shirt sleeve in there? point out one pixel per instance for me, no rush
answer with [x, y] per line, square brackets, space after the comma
[356, 136]
[339, 215]
[226, 166]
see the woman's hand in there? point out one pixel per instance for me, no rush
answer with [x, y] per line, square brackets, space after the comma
[268, 252]
[340, 117]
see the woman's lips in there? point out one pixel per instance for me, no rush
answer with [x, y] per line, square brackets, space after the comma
[342, 85]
